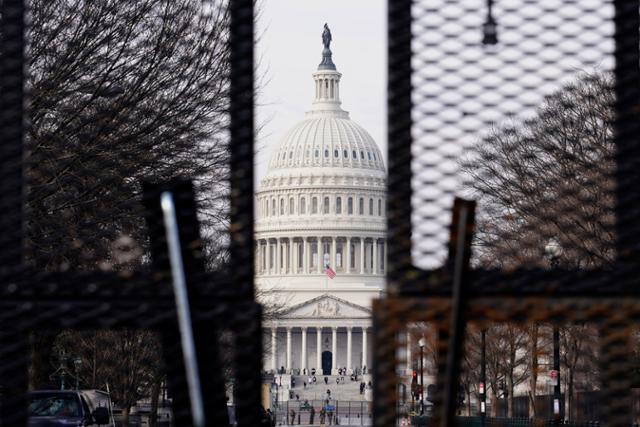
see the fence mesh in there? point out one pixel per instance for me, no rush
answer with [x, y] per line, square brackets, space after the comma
[528, 108]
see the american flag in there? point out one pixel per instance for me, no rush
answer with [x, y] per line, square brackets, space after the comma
[329, 272]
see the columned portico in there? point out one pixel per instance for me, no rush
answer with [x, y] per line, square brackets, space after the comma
[345, 345]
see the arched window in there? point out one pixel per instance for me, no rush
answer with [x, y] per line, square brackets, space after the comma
[317, 153]
[369, 155]
[374, 156]
[303, 206]
[379, 207]
[273, 207]
[350, 205]
[336, 153]
[361, 206]
[338, 205]
[314, 205]
[326, 154]
[290, 155]
[325, 208]
[291, 206]
[281, 206]
[362, 155]
[370, 206]
[355, 155]
[346, 154]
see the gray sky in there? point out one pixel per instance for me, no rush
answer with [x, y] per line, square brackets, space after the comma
[289, 50]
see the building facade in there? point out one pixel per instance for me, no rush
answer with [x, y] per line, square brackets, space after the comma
[322, 204]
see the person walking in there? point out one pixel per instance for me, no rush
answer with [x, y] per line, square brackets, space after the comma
[323, 414]
[292, 413]
[312, 415]
[326, 380]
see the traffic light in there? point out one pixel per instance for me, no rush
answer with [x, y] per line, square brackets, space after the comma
[414, 383]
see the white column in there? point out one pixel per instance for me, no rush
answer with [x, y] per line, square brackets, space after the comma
[303, 362]
[386, 257]
[334, 349]
[305, 256]
[288, 365]
[268, 257]
[274, 350]
[319, 351]
[375, 256]
[348, 348]
[277, 270]
[348, 260]
[294, 256]
[364, 346]
[333, 262]
[362, 255]
[286, 245]
[320, 255]
[408, 352]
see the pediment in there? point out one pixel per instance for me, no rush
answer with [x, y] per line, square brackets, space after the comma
[327, 307]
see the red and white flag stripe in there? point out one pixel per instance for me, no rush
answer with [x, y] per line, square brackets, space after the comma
[330, 272]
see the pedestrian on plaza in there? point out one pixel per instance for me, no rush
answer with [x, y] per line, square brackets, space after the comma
[337, 381]
[313, 371]
[312, 415]
[330, 416]
[326, 380]
[298, 418]
[364, 370]
[297, 397]
[314, 380]
[328, 393]
[293, 382]
[323, 414]
[342, 378]
[292, 413]
[309, 380]
[305, 385]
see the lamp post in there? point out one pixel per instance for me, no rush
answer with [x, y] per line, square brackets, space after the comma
[552, 251]
[77, 362]
[483, 376]
[490, 27]
[421, 343]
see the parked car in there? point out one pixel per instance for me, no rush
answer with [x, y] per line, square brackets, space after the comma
[56, 408]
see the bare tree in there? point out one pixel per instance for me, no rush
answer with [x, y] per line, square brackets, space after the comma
[549, 177]
[128, 363]
[121, 92]
[578, 344]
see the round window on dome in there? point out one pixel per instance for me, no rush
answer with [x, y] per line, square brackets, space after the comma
[336, 153]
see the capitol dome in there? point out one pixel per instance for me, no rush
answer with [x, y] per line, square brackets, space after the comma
[321, 233]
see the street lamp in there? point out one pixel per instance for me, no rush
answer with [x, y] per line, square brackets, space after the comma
[483, 376]
[553, 251]
[490, 27]
[421, 343]
[77, 362]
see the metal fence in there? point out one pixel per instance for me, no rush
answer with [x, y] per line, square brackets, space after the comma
[336, 412]
[529, 107]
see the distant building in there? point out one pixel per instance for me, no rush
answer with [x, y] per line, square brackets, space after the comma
[321, 206]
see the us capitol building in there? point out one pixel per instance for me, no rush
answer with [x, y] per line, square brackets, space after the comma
[322, 204]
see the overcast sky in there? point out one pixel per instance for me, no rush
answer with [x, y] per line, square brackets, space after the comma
[289, 50]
